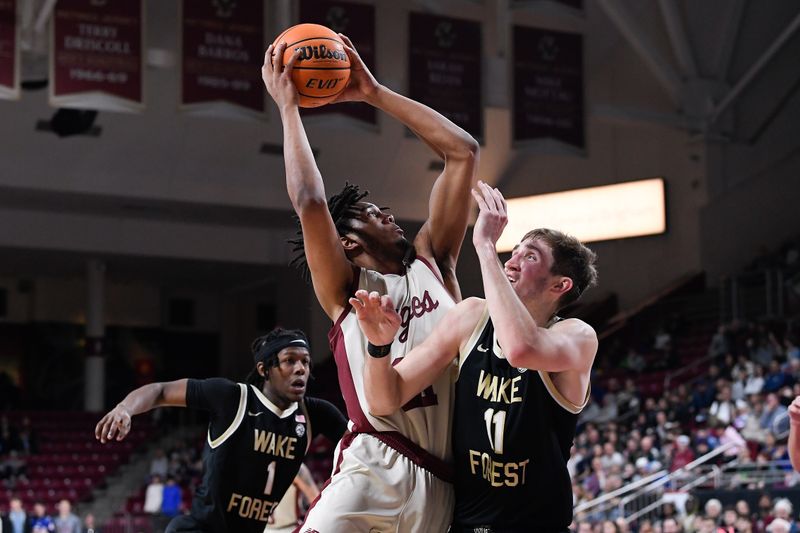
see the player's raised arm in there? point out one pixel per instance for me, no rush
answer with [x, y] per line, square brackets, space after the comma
[117, 422]
[521, 330]
[387, 386]
[441, 236]
[331, 272]
[794, 429]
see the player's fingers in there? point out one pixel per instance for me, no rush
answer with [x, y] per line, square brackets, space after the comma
[268, 58]
[292, 60]
[347, 41]
[386, 303]
[98, 429]
[277, 61]
[356, 303]
[123, 430]
[479, 199]
[488, 194]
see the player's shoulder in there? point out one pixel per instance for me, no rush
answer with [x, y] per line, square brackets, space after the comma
[472, 307]
[575, 326]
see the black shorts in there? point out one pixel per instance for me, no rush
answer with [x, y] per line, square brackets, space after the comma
[186, 524]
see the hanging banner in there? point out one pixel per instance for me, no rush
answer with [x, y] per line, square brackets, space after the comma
[444, 68]
[9, 51]
[222, 49]
[96, 59]
[548, 86]
[357, 21]
[574, 4]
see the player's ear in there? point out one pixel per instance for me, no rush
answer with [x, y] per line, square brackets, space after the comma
[351, 246]
[564, 285]
[261, 370]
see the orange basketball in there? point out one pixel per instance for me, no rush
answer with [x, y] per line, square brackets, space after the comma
[323, 68]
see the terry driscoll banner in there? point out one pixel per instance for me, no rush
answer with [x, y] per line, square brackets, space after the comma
[96, 59]
[9, 50]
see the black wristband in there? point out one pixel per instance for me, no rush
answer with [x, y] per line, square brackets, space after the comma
[378, 351]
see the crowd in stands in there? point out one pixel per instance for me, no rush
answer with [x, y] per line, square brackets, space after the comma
[741, 397]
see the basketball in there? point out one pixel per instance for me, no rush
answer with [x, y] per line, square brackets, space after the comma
[323, 68]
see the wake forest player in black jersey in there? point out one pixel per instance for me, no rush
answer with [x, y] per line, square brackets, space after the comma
[523, 375]
[258, 433]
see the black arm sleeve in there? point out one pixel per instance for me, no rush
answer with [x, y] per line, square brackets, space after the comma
[219, 396]
[326, 419]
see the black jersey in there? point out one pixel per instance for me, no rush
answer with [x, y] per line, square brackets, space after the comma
[512, 434]
[253, 452]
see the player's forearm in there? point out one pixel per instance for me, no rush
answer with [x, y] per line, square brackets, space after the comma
[382, 386]
[440, 133]
[303, 179]
[516, 329]
[794, 445]
[144, 399]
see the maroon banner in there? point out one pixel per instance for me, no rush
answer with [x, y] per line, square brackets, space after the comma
[9, 50]
[357, 21]
[97, 48]
[222, 52]
[548, 86]
[444, 68]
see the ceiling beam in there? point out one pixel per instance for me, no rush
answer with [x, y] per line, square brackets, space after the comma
[753, 71]
[638, 39]
[729, 33]
[678, 37]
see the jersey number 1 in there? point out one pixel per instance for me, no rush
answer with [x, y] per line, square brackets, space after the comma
[498, 420]
[270, 478]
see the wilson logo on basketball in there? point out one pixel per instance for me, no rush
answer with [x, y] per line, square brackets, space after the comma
[415, 310]
[320, 52]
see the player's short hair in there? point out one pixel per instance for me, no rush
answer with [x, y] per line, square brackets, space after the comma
[571, 258]
[343, 209]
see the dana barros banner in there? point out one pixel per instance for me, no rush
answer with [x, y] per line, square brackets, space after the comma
[222, 47]
[357, 21]
[9, 50]
[96, 59]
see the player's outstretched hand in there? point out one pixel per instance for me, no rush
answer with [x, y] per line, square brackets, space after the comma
[277, 77]
[362, 84]
[377, 316]
[116, 424]
[492, 215]
[794, 411]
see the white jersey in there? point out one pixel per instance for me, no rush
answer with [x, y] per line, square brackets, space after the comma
[422, 300]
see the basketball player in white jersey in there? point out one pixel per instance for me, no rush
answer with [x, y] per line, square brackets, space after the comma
[523, 375]
[289, 512]
[392, 472]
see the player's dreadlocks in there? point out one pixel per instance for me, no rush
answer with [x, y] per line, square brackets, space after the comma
[342, 207]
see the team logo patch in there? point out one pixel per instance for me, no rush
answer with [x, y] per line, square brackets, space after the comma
[300, 429]
[522, 370]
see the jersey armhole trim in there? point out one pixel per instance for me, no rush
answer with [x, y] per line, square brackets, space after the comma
[464, 352]
[559, 398]
[237, 420]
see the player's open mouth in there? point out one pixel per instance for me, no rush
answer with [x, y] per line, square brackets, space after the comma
[298, 385]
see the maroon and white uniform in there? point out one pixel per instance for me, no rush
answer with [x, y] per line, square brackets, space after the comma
[392, 473]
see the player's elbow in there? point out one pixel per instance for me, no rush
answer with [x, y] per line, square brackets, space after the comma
[308, 201]
[517, 356]
[465, 148]
[381, 407]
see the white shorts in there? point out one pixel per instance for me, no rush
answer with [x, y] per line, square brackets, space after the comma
[376, 489]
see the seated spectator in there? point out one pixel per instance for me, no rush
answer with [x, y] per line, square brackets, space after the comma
[16, 519]
[171, 500]
[683, 454]
[153, 496]
[783, 511]
[66, 521]
[671, 525]
[88, 524]
[772, 411]
[722, 411]
[159, 466]
[713, 510]
[779, 525]
[39, 521]
[775, 378]
[755, 383]
[719, 342]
